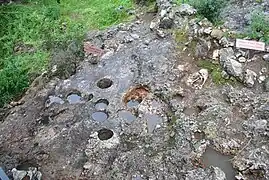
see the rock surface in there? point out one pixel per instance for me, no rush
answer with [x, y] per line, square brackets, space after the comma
[172, 109]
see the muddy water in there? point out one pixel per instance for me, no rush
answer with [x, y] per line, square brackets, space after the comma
[127, 116]
[74, 99]
[214, 158]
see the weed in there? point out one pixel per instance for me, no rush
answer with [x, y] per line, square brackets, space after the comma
[44, 25]
[207, 8]
[259, 27]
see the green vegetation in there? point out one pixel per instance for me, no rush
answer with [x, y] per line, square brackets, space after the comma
[259, 27]
[30, 30]
[207, 8]
[215, 72]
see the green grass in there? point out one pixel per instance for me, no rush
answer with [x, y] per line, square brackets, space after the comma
[35, 24]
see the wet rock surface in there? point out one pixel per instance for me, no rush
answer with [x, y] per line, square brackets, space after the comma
[145, 110]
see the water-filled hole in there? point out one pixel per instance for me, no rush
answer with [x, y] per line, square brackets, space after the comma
[99, 116]
[133, 103]
[127, 116]
[101, 104]
[105, 134]
[104, 83]
[212, 157]
[73, 98]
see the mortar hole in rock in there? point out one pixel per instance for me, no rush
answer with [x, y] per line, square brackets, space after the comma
[104, 83]
[24, 166]
[101, 104]
[133, 103]
[105, 134]
[127, 116]
[135, 96]
[212, 157]
[74, 98]
[99, 116]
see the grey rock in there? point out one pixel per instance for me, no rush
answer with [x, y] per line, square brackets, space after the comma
[250, 78]
[211, 173]
[202, 48]
[186, 9]
[166, 23]
[266, 57]
[217, 34]
[228, 62]
[242, 59]
[208, 30]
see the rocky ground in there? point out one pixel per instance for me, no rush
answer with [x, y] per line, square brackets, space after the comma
[167, 96]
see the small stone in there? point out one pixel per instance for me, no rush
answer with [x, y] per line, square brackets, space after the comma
[186, 9]
[163, 13]
[238, 54]
[166, 23]
[250, 77]
[215, 54]
[208, 30]
[242, 59]
[266, 57]
[160, 33]
[217, 34]
[135, 36]
[153, 24]
[224, 42]
[261, 79]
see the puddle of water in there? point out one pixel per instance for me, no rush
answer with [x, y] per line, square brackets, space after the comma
[101, 104]
[73, 99]
[127, 116]
[105, 134]
[99, 116]
[54, 99]
[133, 103]
[214, 158]
[152, 121]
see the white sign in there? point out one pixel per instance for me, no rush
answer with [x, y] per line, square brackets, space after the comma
[247, 44]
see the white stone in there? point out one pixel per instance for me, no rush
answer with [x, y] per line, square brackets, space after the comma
[215, 54]
[242, 59]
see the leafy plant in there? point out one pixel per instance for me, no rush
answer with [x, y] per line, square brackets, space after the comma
[209, 8]
[259, 26]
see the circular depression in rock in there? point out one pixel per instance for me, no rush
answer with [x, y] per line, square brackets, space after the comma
[101, 104]
[73, 98]
[104, 83]
[127, 116]
[105, 134]
[133, 103]
[99, 116]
